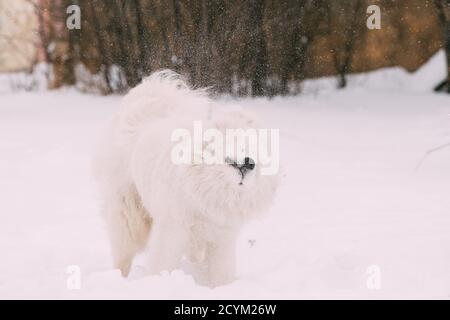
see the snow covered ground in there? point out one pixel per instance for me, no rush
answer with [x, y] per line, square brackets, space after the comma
[353, 219]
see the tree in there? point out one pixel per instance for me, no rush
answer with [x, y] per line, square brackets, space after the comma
[246, 47]
[301, 19]
[255, 54]
[351, 30]
[443, 13]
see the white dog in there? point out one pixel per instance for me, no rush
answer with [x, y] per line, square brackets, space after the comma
[175, 210]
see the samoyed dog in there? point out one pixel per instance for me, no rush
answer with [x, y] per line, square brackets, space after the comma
[169, 210]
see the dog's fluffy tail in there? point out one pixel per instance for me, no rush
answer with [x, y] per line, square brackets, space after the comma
[157, 97]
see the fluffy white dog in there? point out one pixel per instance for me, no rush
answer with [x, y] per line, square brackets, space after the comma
[175, 210]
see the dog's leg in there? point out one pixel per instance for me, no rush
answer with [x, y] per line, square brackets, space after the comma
[217, 263]
[128, 226]
[166, 246]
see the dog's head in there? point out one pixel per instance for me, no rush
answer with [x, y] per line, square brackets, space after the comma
[229, 176]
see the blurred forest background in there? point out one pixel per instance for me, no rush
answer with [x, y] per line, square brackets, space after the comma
[240, 47]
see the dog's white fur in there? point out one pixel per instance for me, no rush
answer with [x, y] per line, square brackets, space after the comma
[167, 209]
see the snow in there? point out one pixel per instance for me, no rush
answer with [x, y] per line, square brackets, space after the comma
[350, 202]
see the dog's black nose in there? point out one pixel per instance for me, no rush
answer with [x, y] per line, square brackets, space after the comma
[249, 163]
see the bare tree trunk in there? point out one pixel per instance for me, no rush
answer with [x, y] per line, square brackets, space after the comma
[42, 29]
[162, 28]
[293, 47]
[350, 33]
[443, 12]
[306, 17]
[99, 39]
[204, 53]
[143, 40]
[178, 40]
[258, 49]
